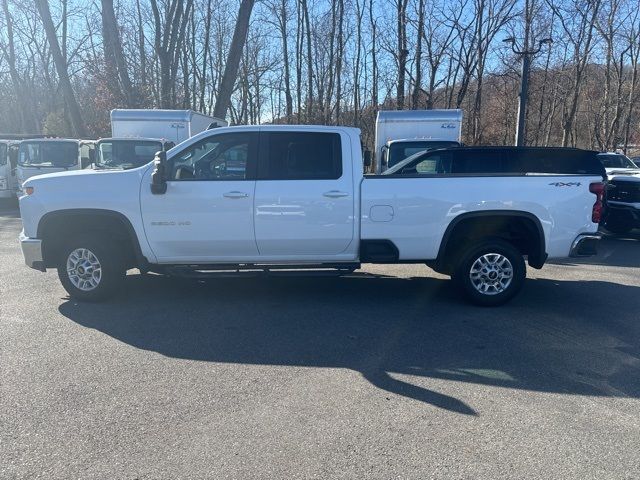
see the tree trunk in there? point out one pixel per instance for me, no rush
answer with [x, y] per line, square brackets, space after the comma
[233, 59]
[417, 84]
[113, 54]
[61, 67]
[28, 124]
[402, 52]
[285, 58]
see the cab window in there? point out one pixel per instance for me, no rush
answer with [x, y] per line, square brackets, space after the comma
[219, 157]
[301, 156]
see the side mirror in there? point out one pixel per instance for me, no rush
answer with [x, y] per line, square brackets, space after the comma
[13, 158]
[92, 156]
[159, 177]
[367, 158]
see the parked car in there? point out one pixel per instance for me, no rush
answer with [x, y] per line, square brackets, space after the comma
[294, 197]
[402, 133]
[622, 199]
[622, 212]
[618, 164]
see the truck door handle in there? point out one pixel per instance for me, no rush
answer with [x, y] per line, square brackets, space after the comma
[235, 194]
[335, 194]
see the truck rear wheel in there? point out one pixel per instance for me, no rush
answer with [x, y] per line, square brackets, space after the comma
[490, 273]
[90, 268]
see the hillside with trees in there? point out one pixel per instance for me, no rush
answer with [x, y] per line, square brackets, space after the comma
[65, 64]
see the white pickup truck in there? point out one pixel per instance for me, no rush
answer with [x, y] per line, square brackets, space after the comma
[294, 197]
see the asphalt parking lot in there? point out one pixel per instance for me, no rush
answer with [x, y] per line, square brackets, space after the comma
[384, 374]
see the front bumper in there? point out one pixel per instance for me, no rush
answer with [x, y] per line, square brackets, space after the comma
[32, 252]
[585, 245]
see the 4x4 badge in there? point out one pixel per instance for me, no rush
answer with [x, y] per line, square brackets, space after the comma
[568, 184]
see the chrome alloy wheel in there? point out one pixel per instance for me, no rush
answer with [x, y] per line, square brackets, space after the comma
[491, 274]
[84, 269]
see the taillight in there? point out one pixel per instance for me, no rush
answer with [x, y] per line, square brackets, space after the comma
[598, 190]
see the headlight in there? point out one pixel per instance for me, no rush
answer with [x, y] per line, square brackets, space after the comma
[3, 183]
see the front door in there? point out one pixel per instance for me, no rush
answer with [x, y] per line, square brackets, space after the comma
[304, 202]
[206, 214]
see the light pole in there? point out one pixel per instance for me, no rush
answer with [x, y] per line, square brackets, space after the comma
[526, 55]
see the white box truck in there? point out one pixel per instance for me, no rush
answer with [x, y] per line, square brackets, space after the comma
[8, 164]
[402, 133]
[173, 125]
[38, 156]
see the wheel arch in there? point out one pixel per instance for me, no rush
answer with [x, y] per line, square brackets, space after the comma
[54, 226]
[490, 223]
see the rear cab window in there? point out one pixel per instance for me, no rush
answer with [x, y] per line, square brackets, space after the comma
[300, 156]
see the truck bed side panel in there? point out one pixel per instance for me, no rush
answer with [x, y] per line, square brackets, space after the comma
[414, 213]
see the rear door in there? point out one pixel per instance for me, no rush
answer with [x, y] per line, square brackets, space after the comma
[304, 200]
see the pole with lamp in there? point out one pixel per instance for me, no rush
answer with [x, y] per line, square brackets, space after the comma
[526, 55]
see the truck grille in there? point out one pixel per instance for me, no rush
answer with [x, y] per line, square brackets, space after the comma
[621, 191]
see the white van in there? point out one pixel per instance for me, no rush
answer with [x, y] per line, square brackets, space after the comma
[402, 133]
[50, 155]
[174, 125]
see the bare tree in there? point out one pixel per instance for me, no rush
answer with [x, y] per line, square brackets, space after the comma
[169, 37]
[402, 52]
[578, 20]
[61, 68]
[113, 54]
[27, 121]
[233, 59]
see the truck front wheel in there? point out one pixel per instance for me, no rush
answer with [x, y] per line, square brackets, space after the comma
[90, 268]
[490, 273]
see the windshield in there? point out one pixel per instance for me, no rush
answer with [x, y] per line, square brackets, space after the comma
[48, 154]
[399, 166]
[126, 153]
[398, 151]
[3, 153]
[616, 160]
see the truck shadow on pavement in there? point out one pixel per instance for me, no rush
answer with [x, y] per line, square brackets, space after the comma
[557, 336]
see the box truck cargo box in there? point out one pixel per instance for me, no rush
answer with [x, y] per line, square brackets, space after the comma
[173, 125]
[402, 133]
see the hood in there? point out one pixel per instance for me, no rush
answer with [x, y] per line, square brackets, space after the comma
[625, 177]
[83, 179]
[82, 175]
[630, 173]
[623, 171]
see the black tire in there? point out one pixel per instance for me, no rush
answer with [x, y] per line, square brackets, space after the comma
[499, 290]
[110, 261]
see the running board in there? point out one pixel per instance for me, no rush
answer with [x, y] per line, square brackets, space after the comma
[226, 271]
